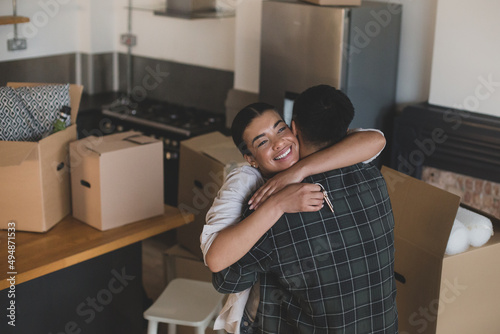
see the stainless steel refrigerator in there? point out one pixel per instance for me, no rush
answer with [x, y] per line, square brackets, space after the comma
[354, 49]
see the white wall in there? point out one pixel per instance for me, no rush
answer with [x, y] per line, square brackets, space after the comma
[247, 55]
[415, 51]
[94, 26]
[466, 61]
[51, 31]
[203, 42]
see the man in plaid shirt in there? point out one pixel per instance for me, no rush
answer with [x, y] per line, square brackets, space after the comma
[325, 272]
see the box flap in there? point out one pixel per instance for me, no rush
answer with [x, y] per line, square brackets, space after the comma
[114, 142]
[75, 94]
[109, 146]
[423, 214]
[225, 152]
[140, 139]
[120, 136]
[14, 153]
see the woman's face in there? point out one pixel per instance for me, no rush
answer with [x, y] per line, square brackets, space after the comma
[273, 146]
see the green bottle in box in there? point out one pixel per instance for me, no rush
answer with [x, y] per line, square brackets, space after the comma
[63, 120]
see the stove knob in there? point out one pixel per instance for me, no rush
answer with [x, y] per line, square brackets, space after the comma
[167, 141]
[107, 125]
[119, 128]
[175, 155]
[168, 155]
[175, 143]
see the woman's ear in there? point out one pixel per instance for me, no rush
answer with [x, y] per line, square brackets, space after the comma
[251, 160]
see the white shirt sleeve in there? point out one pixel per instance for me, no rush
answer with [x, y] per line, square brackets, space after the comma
[228, 206]
[376, 155]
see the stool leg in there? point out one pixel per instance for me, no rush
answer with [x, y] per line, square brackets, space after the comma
[152, 327]
[219, 308]
[172, 329]
[200, 330]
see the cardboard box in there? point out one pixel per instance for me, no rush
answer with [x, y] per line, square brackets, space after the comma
[204, 163]
[335, 2]
[438, 293]
[116, 179]
[181, 263]
[35, 176]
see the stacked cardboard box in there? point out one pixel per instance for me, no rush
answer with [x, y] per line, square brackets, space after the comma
[204, 163]
[116, 179]
[181, 263]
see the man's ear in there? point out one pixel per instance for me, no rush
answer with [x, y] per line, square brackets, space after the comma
[294, 128]
[251, 160]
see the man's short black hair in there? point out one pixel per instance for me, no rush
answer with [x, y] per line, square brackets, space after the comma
[323, 114]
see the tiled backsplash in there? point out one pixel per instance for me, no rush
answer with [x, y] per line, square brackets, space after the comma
[188, 85]
[52, 69]
[184, 84]
[97, 72]
[478, 193]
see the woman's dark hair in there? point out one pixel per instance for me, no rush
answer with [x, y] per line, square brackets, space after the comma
[323, 114]
[244, 117]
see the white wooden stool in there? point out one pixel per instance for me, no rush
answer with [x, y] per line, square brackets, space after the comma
[185, 302]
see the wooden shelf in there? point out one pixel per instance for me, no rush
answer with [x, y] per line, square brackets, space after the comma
[13, 19]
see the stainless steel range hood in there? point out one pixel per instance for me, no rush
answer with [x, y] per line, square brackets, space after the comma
[194, 9]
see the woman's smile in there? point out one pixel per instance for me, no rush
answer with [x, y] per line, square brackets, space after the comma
[281, 156]
[272, 144]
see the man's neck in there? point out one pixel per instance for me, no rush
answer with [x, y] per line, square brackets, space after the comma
[307, 150]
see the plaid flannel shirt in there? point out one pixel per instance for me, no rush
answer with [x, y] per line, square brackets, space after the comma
[324, 272]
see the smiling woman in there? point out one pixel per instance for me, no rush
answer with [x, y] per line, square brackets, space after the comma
[271, 145]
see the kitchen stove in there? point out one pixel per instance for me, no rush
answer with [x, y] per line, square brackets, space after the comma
[184, 121]
[168, 122]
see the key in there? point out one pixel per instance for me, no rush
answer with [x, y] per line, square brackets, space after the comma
[327, 199]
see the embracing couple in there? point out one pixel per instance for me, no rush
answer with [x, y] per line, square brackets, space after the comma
[302, 239]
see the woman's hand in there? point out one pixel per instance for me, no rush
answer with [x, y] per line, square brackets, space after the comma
[275, 184]
[298, 197]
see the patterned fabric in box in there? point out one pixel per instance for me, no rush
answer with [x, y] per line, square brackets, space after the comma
[29, 113]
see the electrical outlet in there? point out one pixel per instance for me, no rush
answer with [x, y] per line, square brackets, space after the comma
[128, 39]
[16, 44]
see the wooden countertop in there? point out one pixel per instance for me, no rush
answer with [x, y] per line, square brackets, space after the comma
[70, 242]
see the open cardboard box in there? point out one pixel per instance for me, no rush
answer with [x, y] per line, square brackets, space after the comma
[438, 293]
[35, 176]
